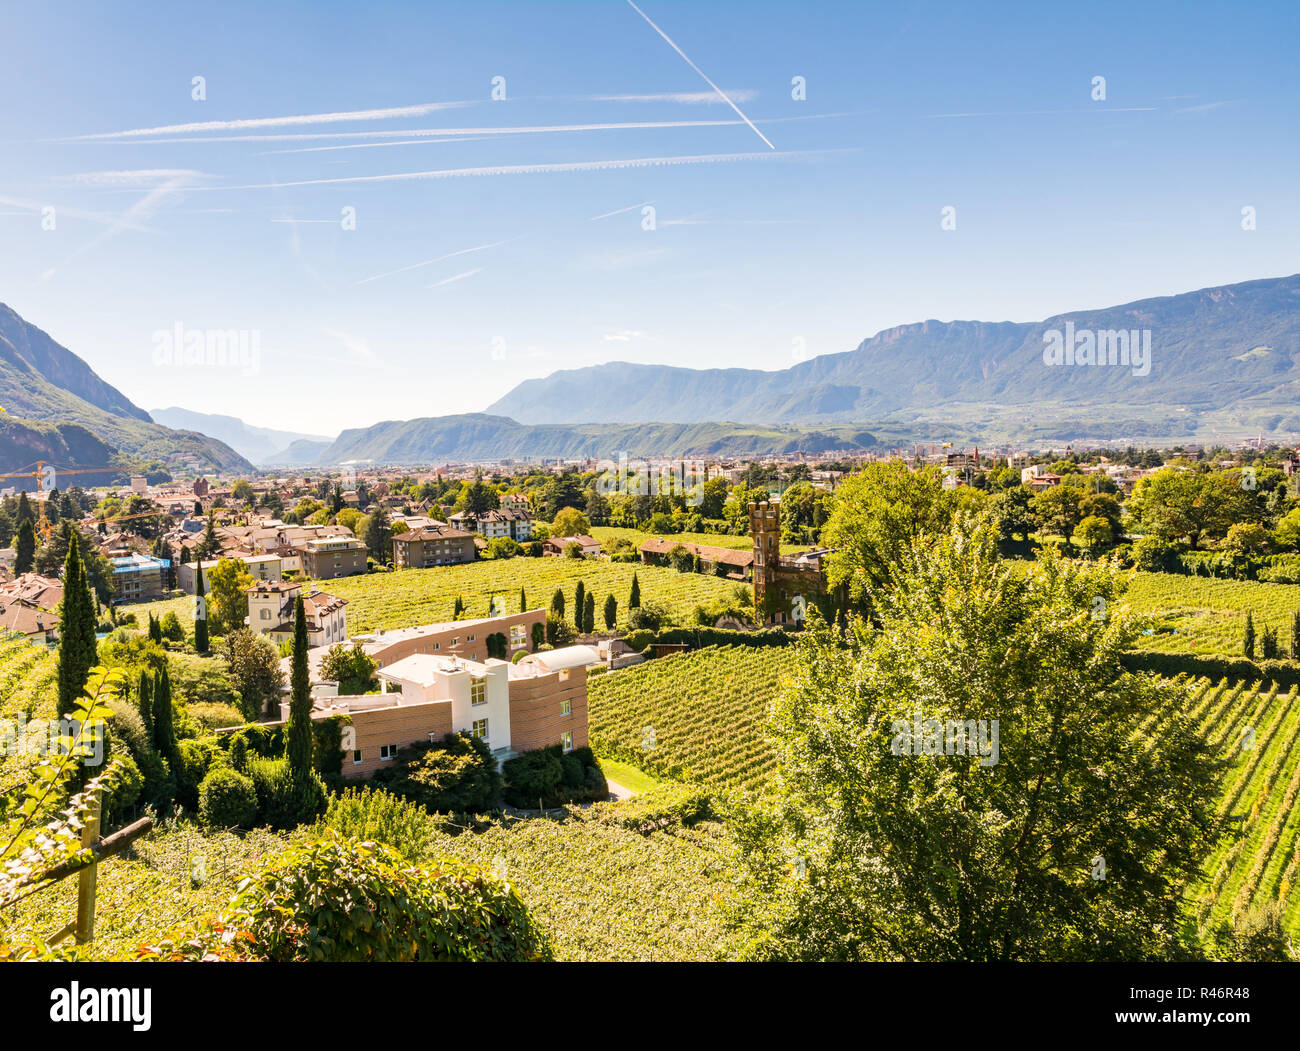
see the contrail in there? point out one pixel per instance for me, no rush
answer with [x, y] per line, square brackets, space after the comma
[273, 122]
[458, 277]
[702, 74]
[430, 262]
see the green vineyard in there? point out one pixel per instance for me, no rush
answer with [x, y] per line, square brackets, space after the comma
[1257, 860]
[694, 716]
[1207, 616]
[423, 596]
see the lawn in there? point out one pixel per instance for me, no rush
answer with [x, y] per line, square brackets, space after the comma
[633, 778]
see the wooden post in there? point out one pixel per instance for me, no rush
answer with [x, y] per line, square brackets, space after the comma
[88, 877]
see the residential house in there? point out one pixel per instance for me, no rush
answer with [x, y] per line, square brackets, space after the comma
[515, 524]
[271, 606]
[260, 567]
[336, 556]
[721, 561]
[433, 545]
[556, 545]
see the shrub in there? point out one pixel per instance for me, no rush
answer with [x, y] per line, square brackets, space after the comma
[653, 616]
[227, 799]
[290, 912]
[282, 801]
[553, 777]
[662, 806]
[559, 632]
[195, 759]
[128, 784]
[126, 727]
[456, 773]
[328, 734]
[372, 814]
[215, 716]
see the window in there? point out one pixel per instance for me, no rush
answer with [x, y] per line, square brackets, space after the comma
[455, 641]
[266, 613]
[388, 751]
[516, 634]
[478, 691]
[480, 728]
[566, 706]
[566, 740]
[469, 638]
[356, 757]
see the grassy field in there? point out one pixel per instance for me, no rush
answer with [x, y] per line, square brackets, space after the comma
[693, 716]
[1204, 615]
[633, 778]
[421, 596]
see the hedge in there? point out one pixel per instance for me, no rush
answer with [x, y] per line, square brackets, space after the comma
[698, 638]
[1284, 673]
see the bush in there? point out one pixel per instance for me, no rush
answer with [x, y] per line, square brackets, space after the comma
[196, 758]
[457, 773]
[126, 727]
[559, 632]
[291, 912]
[652, 617]
[372, 814]
[662, 806]
[553, 777]
[128, 785]
[216, 716]
[227, 799]
[1285, 673]
[698, 638]
[282, 802]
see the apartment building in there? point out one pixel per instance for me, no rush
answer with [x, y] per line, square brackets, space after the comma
[260, 567]
[324, 558]
[138, 578]
[513, 707]
[434, 544]
[515, 523]
[271, 612]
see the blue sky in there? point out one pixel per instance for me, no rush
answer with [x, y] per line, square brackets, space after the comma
[453, 287]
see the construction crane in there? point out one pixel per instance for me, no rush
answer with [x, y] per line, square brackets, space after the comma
[47, 475]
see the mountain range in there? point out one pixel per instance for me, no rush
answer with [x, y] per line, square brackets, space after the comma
[1233, 348]
[54, 407]
[261, 445]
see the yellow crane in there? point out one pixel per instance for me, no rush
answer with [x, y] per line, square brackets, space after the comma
[47, 475]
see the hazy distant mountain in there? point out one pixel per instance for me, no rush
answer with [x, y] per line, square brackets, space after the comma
[258, 444]
[56, 408]
[301, 453]
[1231, 349]
[481, 437]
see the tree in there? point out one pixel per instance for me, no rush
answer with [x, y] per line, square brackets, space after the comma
[634, 598]
[559, 632]
[1246, 538]
[1057, 509]
[164, 724]
[300, 742]
[25, 512]
[1094, 534]
[379, 540]
[227, 602]
[1248, 638]
[557, 603]
[579, 595]
[570, 522]
[589, 614]
[1287, 533]
[78, 649]
[681, 559]
[200, 611]
[955, 784]
[878, 514]
[611, 612]
[538, 634]
[503, 547]
[155, 629]
[25, 548]
[1176, 505]
[255, 670]
[523, 600]
[352, 668]
[210, 546]
[1268, 647]
[1295, 636]
[458, 608]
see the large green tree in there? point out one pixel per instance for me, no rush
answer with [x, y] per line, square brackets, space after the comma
[970, 780]
[1181, 505]
[78, 650]
[300, 742]
[200, 610]
[25, 548]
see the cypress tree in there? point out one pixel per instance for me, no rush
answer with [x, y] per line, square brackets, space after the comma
[1295, 636]
[300, 737]
[457, 608]
[78, 652]
[634, 599]
[24, 548]
[200, 611]
[579, 605]
[164, 729]
[523, 600]
[611, 612]
[557, 603]
[589, 614]
[1248, 639]
[25, 512]
[144, 697]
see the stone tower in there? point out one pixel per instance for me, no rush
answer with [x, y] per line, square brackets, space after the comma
[765, 531]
